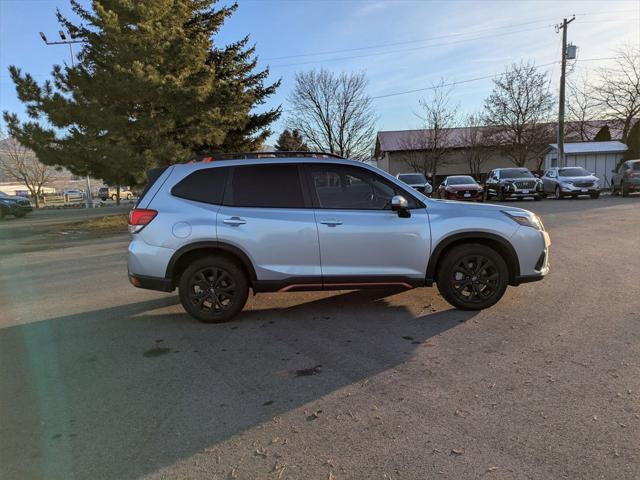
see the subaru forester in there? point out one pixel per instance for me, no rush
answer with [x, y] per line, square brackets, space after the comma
[217, 229]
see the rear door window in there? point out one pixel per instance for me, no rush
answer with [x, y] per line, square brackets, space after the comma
[206, 185]
[266, 186]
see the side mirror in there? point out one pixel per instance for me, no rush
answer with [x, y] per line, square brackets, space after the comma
[399, 204]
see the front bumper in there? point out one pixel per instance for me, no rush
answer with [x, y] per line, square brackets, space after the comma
[574, 190]
[521, 193]
[532, 247]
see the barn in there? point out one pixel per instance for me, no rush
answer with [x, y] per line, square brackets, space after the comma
[596, 157]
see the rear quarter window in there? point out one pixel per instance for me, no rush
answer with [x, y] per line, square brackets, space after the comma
[206, 185]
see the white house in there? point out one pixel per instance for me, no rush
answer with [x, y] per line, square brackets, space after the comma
[596, 157]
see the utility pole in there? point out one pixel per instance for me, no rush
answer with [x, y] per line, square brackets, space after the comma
[88, 198]
[562, 27]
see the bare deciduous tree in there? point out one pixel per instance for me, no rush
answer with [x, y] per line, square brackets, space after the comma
[427, 149]
[517, 110]
[582, 109]
[617, 91]
[476, 141]
[413, 150]
[20, 164]
[334, 113]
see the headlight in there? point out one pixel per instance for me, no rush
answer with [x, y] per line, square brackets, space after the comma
[526, 219]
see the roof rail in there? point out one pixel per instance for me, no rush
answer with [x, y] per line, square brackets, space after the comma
[214, 157]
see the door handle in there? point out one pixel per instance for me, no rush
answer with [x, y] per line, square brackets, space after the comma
[331, 222]
[234, 221]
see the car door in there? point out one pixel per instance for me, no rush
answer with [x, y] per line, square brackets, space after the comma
[490, 184]
[267, 214]
[361, 239]
[549, 181]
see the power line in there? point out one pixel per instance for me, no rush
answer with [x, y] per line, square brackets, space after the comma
[409, 49]
[469, 80]
[408, 42]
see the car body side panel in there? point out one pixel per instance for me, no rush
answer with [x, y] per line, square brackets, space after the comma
[449, 218]
[374, 242]
[280, 242]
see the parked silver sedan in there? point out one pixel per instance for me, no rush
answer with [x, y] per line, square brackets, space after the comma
[570, 181]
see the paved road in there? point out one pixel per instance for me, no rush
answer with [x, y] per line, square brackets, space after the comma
[100, 380]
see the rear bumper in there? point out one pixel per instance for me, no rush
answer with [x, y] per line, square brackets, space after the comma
[151, 283]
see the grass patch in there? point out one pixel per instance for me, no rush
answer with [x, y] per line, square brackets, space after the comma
[106, 224]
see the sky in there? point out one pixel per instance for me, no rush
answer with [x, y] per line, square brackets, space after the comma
[400, 45]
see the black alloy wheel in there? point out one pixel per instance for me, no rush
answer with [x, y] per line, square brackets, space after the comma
[472, 277]
[213, 289]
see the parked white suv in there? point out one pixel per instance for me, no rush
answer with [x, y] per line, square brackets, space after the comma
[216, 229]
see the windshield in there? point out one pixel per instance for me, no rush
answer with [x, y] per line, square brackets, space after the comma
[412, 178]
[573, 172]
[516, 173]
[461, 180]
[4, 195]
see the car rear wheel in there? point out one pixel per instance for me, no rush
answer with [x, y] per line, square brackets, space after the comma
[114, 197]
[472, 277]
[213, 289]
[595, 195]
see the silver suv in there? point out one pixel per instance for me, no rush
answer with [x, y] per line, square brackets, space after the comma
[216, 229]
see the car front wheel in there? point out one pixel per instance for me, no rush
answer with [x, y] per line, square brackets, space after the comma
[558, 194]
[213, 289]
[624, 189]
[472, 277]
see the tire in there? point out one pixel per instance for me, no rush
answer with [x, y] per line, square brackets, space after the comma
[614, 190]
[129, 197]
[558, 193]
[114, 197]
[500, 195]
[20, 214]
[213, 272]
[595, 195]
[462, 261]
[537, 198]
[624, 189]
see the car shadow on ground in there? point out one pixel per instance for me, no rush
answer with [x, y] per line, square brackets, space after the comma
[124, 391]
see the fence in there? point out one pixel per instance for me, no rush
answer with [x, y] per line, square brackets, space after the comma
[61, 201]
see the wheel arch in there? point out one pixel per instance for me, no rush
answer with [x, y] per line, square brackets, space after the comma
[498, 243]
[188, 253]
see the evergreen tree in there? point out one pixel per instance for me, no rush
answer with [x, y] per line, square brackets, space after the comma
[603, 135]
[291, 141]
[150, 88]
[633, 143]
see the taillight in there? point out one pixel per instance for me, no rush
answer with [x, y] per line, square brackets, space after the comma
[139, 218]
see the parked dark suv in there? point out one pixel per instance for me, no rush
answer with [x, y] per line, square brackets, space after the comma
[504, 183]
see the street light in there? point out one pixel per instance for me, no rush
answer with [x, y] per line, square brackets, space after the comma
[65, 41]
